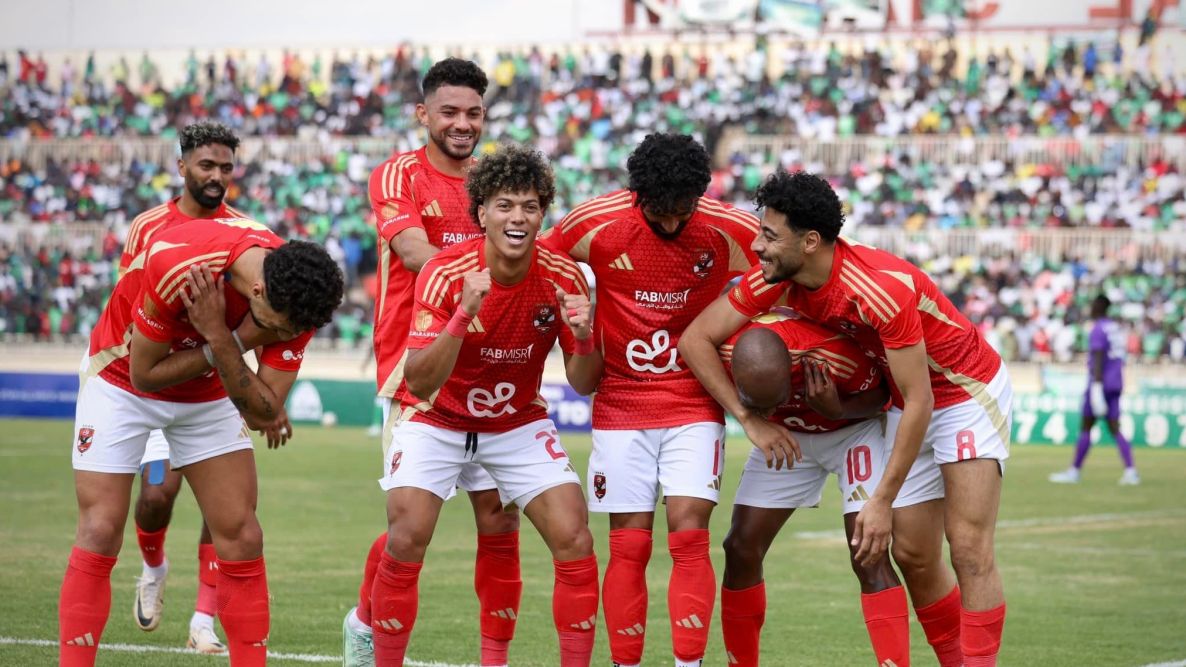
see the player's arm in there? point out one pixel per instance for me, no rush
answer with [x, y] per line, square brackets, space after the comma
[153, 367]
[430, 367]
[584, 364]
[909, 369]
[698, 347]
[206, 305]
[397, 215]
[822, 396]
[413, 248]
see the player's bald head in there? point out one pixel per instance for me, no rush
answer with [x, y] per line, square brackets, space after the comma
[761, 370]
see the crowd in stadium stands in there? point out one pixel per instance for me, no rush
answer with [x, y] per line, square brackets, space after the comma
[603, 97]
[587, 109]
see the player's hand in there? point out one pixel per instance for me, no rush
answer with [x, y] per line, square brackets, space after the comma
[577, 313]
[475, 288]
[775, 441]
[871, 536]
[821, 394]
[204, 301]
[276, 431]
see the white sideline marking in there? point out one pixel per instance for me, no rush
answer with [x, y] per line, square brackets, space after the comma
[1027, 523]
[1178, 663]
[137, 648]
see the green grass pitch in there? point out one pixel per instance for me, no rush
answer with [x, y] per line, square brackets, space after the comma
[1094, 574]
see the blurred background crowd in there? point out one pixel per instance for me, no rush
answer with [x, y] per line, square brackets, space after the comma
[64, 214]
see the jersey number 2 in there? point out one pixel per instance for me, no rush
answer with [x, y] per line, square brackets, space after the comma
[551, 444]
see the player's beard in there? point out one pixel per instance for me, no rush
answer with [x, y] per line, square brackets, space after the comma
[664, 234]
[204, 199]
[782, 271]
[442, 142]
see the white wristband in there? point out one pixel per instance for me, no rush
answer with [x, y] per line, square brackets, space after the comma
[209, 352]
[239, 342]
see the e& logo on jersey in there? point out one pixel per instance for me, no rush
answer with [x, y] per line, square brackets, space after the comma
[482, 403]
[640, 355]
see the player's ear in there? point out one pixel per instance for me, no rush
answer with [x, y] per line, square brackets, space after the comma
[482, 216]
[181, 166]
[422, 114]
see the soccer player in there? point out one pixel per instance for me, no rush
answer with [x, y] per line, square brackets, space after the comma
[1105, 383]
[784, 370]
[486, 314]
[661, 251]
[206, 165]
[951, 405]
[169, 325]
[421, 207]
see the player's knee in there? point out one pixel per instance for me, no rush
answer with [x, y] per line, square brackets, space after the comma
[490, 523]
[241, 536]
[155, 500]
[971, 556]
[100, 533]
[572, 542]
[911, 558]
[742, 555]
[876, 577]
[407, 545]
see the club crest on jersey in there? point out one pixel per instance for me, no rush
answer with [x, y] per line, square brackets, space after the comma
[599, 485]
[86, 436]
[396, 459]
[423, 320]
[544, 318]
[703, 265]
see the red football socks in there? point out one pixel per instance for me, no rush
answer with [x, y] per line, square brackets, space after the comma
[499, 588]
[574, 609]
[691, 593]
[980, 636]
[394, 603]
[207, 602]
[743, 612]
[941, 623]
[243, 610]
[368, 579]
[888, 622]
[152, 546]
[624, 593]
[83, 607]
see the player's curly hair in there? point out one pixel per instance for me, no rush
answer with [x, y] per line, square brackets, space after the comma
[667, 171]
[303, 284]
[806, 199]
[454, 72]
[204, 133]
[511, 168]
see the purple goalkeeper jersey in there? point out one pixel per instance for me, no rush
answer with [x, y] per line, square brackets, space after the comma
[1108, 337]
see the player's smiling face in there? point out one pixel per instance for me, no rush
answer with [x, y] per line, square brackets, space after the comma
[511, 221]
[453, 116]
[779, 248]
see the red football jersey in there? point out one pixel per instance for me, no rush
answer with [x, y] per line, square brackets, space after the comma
[165, 216]
[495, 384]
[159, 274]
[406, 191]
[852, 371]
[884, 301]
[648, 290]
